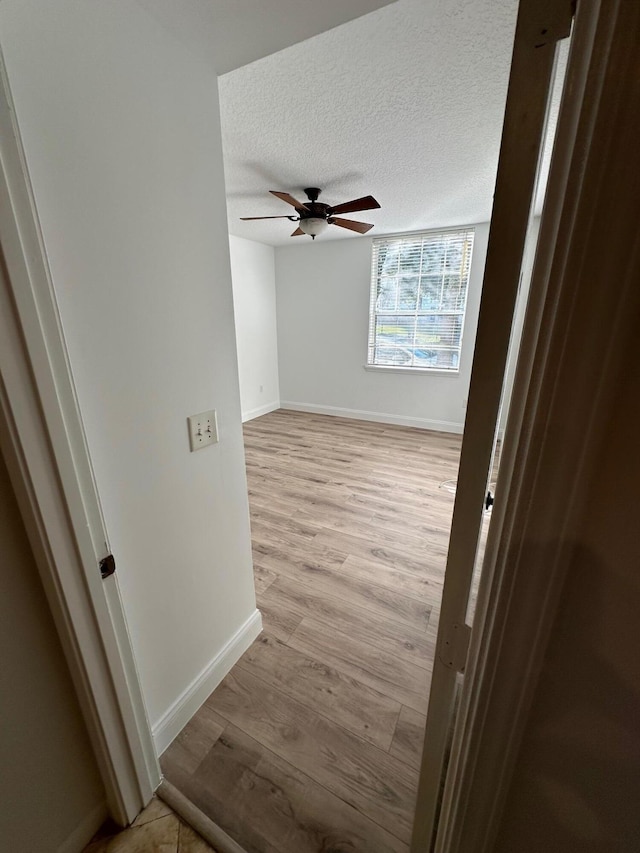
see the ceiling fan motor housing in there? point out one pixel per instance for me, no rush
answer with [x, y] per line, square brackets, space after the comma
[314, 209]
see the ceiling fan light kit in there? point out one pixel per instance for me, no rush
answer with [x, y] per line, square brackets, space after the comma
[314, 216]
[313, 226]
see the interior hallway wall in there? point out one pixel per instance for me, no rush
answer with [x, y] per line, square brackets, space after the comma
[323, 320]
[50, 792]
[254, 302]
[120, 125]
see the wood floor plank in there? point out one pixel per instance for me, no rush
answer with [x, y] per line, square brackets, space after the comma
[316, 554]
[393, 676]
[317, 820]
[365, 777]
[387, 533]
[218, 785]
[409, 505]
[411, 510]
[423, 588]
[268, 517]
[292, 599]
[330, 514]
[183, 757]
[429, 468]
[384, 601]
[367, 482]
[422, 536]
[279, 806]
[409, 737]
[294, 489]
[263, 576]
[273, 534]
[279, 618]
[397, 555]
[325, 689]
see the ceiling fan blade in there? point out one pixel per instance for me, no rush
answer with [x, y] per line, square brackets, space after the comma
[247, 218]
[289, 199]
[351, 224]
[297, 232]
[367, 202]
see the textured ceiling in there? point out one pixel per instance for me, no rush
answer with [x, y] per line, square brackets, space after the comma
[231, 33]
[405, 103]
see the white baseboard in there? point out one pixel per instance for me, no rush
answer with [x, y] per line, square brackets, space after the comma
[178, 715]
[85, 830]
[379, 417]
[261, 410]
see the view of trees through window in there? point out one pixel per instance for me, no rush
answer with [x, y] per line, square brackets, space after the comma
[418, 298]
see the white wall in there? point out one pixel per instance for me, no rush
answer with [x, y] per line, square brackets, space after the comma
[50, 791]
[120, 123]
[254, 303]
[323, 316]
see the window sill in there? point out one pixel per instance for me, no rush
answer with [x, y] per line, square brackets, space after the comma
[422, 371]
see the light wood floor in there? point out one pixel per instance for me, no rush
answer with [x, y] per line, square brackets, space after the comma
[312, 742]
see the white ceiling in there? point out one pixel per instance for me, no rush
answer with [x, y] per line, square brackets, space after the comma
[231, 33]
[405, 103]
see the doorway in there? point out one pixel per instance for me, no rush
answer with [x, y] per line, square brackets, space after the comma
[257, 744]
[267, 590]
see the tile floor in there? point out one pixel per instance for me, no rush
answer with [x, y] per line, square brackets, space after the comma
[157, 829]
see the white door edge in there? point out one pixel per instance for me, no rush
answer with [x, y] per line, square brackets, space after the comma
[539, 27]
[43, 440]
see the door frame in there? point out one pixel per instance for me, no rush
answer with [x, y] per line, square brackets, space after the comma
[42, 439]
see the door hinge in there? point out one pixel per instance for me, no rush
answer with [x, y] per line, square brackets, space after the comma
[454, 646]
[107, 566]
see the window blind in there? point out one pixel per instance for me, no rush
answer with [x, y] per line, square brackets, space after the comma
[419, 285]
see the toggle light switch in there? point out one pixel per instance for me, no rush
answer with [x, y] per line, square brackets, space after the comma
[203, 430]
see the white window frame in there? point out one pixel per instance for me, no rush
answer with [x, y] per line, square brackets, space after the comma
[371, 364]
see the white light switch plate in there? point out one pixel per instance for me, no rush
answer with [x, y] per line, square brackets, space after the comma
[203, 430]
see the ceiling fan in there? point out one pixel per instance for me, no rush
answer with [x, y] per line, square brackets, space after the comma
[314, 216]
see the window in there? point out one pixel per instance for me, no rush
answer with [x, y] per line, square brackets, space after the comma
[419, 286]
